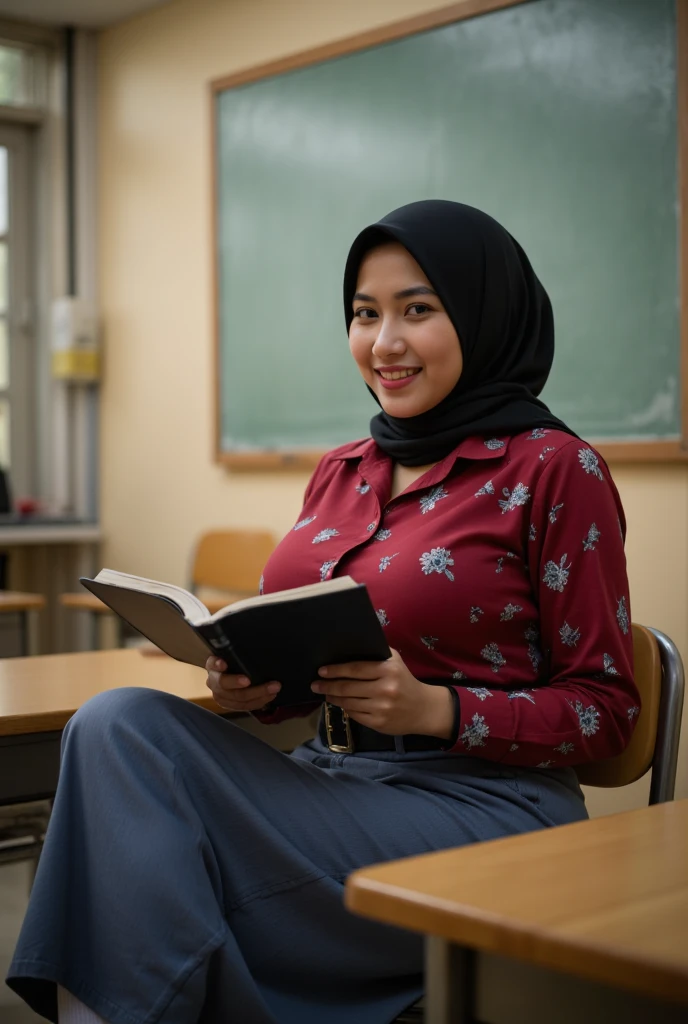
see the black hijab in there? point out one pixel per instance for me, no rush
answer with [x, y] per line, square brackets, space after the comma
[502, 315]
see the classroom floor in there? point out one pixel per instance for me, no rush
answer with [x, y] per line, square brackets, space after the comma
[14, 894]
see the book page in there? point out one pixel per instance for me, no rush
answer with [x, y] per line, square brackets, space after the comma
[311, 590]
[190, 606]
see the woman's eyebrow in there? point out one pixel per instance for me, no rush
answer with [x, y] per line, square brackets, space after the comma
[416, 289]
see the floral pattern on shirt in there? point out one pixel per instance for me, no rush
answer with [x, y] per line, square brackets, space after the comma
[514, 694]
[514, 499]
[382, 617]
[386, 560]
[475, 613]
[325, 569]
[382, 534]
[487, 488]
[590, 462]
[428, 501]
[554, 511]
[622, 615]
[481, 692]
[304, 522]
[556, 576]
[509, 611]
[494, 444]
[608, 663]
[430, 641]
[363, 488]
[437, 560]
[588, 718]
[475, 734]
[591, 539]
[569, 635]
[492, 653]
[325, 535]
[537, 434]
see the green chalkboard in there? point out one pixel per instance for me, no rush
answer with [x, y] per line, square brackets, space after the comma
[558, 117]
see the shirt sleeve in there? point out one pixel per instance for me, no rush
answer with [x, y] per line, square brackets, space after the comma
[586, 703]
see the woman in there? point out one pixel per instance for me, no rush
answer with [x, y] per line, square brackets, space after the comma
[191, 872]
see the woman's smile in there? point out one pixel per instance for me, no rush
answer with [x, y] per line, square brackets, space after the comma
[394, 377]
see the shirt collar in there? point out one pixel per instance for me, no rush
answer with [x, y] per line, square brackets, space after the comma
[374, 463]
[473, 448]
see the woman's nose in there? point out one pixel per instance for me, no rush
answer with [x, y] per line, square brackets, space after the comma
[388, 341]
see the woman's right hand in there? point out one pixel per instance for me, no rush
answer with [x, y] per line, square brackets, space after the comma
[235, 693]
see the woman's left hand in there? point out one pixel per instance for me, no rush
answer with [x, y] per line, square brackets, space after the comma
[383, 695]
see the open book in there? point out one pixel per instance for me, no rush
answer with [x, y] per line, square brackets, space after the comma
[286, 636]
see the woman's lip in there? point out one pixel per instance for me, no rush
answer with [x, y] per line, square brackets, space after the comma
[401, 382]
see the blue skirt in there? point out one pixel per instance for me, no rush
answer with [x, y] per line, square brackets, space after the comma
[192, 873]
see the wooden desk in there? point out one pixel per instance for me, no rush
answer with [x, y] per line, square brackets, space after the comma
[39, 695]
[588, 922]
[47, 556]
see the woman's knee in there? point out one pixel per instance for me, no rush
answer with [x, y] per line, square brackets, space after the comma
[125, 707]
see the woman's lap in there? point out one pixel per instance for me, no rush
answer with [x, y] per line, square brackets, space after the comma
[180, 842]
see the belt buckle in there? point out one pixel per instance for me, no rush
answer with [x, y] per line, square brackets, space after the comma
[338, 748]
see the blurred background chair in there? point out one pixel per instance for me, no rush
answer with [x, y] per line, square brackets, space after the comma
[226, 567]
[23, 607]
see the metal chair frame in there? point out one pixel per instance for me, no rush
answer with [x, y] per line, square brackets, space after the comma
[665, 757]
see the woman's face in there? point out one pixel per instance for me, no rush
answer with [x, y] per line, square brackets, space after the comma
[404, 343]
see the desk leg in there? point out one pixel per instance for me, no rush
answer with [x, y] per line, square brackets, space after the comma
[31, 633]
[449, 982]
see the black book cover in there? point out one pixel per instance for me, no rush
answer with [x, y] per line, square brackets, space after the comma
[287, 641]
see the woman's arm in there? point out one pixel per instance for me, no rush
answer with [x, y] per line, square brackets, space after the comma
[578, 572]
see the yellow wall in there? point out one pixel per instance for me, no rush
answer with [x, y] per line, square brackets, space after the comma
[160, 486]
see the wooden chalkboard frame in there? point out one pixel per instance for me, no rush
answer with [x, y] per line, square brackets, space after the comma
[614, 451]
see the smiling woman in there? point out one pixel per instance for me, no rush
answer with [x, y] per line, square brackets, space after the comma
[490, 539]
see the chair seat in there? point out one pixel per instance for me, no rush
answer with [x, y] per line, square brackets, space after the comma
[16, 601]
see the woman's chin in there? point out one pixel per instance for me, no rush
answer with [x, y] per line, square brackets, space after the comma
[403, 409]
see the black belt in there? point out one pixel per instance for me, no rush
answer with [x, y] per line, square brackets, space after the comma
[344, 736]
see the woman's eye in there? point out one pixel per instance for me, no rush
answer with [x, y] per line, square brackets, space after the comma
[365, 314]
[418, 308]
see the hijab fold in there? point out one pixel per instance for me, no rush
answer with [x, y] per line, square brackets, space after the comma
[501, 313]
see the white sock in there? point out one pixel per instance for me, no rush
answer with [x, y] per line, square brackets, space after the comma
[71, 1011]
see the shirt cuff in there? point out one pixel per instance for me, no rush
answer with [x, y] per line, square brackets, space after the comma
[456, 700]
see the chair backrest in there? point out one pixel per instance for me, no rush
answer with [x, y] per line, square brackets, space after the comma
[231, 560]
[654, 743]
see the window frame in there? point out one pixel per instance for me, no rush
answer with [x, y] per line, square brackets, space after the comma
[20, 393]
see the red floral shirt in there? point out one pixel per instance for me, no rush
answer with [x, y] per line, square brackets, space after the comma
[500, 571]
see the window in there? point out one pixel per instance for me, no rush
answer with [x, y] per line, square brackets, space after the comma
[22, 76]
[16, 355]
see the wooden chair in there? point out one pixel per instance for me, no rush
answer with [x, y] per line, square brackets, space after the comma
[659, 677]
[14, 602]
[227, 563]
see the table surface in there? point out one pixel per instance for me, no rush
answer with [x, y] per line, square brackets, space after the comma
[40, 694]
[605, 899]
